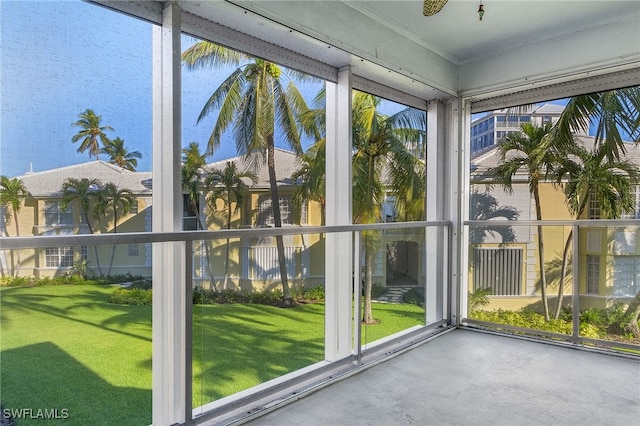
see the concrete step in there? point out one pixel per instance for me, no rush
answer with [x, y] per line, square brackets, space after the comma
[394, 294]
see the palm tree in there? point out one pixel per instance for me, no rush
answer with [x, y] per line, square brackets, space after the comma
[615, 114]
[91, 132]
[254, 102]
[84, 191]
[593, 174]
[119, 155]
[192, 171]
[531, 150]
[114, 199]
[311, 178]
[12, 193]
[227, 185]
[381, 163]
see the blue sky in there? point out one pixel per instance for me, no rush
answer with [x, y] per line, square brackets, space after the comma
[49, 77]
[59, 58]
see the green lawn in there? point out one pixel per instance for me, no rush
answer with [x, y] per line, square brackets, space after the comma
[67, 347]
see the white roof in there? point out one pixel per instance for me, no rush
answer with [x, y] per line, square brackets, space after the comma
[286, 164]
[49, 183]
[549, 109]
[489, 158]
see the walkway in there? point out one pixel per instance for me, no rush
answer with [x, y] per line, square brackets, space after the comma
[473, 378]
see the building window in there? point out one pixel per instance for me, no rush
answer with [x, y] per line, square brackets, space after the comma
[265, 212]
[593, 274]
[498, 269]
[58, 257]
[84, 253]
[3, 221]
[54, 215]
[636, 213]
[626, 275]
[189, 214]
[594, 207]
[303, 214]
[134, 250]
[389, 208]
[134, 207]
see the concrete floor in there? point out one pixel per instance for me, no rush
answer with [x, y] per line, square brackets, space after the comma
[473, 378]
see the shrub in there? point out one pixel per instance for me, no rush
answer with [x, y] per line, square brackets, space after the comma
[143, 284]
[79, 268]
[615, 314]
[119, 278]
[273, 297]
[479, 298]
[196, 296]
[597, 322]
[71, 278]
[594, 316]
[377, 290]
[9, 281]
[134, 296]
[314, 293]
[524, 319]
[415, 296]
[536, 321]
[32, 282]
[212, 296]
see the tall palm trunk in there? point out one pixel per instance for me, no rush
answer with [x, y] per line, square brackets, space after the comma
[563, 275]
[207, 252]
[95, 248]
[369, 257]
[287, 299]
[629, 321]
[227, 248]
[367, 312]
[543, 275]
[113, 248]
[18, 262]
[565, 258]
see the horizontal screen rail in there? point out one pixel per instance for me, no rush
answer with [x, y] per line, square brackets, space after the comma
[160, 237]
[581, 222]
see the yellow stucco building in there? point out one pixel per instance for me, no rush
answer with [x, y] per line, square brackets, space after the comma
[507, 262]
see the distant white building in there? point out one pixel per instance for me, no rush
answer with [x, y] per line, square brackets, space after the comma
[495, 125]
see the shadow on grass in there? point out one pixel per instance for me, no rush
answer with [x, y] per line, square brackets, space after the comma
[42, 376]
[70, 305]
[236, 347]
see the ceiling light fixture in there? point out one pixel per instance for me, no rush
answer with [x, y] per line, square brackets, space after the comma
[431, 7]
[480, 11]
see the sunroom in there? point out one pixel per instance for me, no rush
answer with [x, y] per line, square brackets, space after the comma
[469, 58]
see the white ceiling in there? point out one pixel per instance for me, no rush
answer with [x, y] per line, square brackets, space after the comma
[459, 36]
[519, 43]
